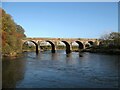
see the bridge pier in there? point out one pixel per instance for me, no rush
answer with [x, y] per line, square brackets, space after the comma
[68, 51]
[37, 51]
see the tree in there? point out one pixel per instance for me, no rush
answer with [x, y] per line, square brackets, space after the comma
[11, 34]
[0, 30]
[112, 39]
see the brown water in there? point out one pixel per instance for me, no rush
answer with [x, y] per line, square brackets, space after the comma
[47, 70]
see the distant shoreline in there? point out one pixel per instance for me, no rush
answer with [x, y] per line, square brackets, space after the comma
[104, 51]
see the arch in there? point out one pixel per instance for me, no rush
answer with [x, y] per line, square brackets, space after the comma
[91, 42]
[53, 46]
[81, 46]
[100, 42]
[68, 49]
[87, 45]
[35, 45]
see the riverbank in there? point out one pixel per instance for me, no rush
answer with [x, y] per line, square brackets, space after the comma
[12, 54]
[104, 51]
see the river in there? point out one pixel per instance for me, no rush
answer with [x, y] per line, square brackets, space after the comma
[47, 70]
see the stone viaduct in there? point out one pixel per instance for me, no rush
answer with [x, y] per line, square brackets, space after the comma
[67, 41]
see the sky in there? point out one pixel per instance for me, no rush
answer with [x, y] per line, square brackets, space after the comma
[64, 19]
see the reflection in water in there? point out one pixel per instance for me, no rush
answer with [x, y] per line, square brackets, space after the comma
[68, 55]
[69, 58]
[0, 70]
[48, 70]
[13, 71]
[54, 56]
[80, 54]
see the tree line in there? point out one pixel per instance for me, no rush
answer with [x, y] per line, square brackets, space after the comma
[11, 34]
[109, 44]
[110, 40]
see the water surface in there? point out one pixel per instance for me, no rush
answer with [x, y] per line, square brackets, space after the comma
[47, 70]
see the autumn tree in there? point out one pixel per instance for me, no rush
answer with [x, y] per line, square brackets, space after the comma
[0, 30]
[11, 34]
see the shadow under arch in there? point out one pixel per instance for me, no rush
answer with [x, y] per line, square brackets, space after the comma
[81, 46]
[68, 49]
[37, 51]
[53, 46]
[87, 45]
[91, 42]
